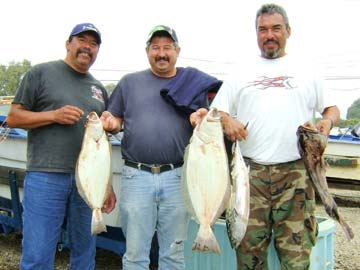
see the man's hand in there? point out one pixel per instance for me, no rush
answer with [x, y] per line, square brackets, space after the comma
[331, 116]
[110, 123]
[110, 202]
[196, 117]
[233, 129]
[68, 115]
[324, 126]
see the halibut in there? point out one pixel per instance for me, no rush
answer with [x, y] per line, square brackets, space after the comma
[206, 180]
[93, 170]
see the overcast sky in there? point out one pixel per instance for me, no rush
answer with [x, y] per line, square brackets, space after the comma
[212, 34]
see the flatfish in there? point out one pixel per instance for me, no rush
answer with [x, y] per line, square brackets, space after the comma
[206, 180]
[93, 170]
[238, 209]
[312, 144]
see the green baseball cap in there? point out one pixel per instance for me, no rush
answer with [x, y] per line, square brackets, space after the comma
[162, 28]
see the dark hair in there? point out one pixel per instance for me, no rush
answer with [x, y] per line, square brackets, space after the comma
[271, 9]
[89, 32]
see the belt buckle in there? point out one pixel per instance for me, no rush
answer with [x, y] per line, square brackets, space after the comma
[155, 169]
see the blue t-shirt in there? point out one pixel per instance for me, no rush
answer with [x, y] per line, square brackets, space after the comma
[155, 132]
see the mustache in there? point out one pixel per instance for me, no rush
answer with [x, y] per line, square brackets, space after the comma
[87, 51]
[159, 58]
[270, 40]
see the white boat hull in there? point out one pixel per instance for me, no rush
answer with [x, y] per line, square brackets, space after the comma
[343, 157]
[344, 149]
[13, 153]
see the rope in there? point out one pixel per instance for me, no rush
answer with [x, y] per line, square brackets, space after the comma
[4, 131]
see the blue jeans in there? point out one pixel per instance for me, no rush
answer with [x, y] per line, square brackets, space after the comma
[48, 199]
[148, 203]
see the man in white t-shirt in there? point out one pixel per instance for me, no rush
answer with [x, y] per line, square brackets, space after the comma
[274, 94]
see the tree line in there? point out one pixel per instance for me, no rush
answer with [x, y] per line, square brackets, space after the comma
[11, 74]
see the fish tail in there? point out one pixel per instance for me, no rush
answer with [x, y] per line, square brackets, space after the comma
[97, 222]
[234, 243]
[229, 221]
[332, 211]
[347, 229]
[236, 228]
[205, 241]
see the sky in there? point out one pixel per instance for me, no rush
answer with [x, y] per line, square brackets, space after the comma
[213, 35]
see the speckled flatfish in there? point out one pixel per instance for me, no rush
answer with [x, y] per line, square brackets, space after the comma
[93, 170]
[205, 179]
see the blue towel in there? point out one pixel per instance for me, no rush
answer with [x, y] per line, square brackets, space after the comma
[189, 89]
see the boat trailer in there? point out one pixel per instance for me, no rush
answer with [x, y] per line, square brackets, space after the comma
[10, 209]
[11, 217]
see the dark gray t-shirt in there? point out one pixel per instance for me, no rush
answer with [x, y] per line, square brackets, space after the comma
[50, 86]
[154, 131]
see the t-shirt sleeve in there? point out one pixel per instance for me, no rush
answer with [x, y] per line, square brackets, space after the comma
[116, 101]
[223, 99]
[28, 88]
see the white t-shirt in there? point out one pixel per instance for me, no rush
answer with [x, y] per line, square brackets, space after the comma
[275, 97]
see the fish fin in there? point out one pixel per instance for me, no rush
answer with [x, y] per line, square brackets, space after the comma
[310, 125]
[230, 226]
[347, 229]
[236, 227]
[97, 222]
[205, 241]
[333, 212]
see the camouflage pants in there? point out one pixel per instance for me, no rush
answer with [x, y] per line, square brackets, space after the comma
[282, 203]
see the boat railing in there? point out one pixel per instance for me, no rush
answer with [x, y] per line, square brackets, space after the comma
[346, 132]
[356, 130]
[349, 134]
[4, 129]
[344, 138]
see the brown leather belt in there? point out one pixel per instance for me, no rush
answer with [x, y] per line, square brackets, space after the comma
[156, 168]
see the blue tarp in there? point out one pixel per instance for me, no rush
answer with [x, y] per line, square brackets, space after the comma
[22, 133]
[14, 132]
[344, 138]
